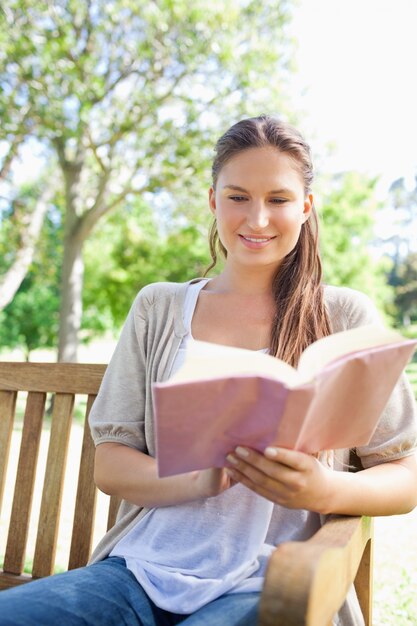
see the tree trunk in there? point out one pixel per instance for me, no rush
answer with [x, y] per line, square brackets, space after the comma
[12, 279]
[78, 226]
[71, 298]
[72, 275]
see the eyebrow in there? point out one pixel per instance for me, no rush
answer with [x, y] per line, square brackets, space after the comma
[277, 191]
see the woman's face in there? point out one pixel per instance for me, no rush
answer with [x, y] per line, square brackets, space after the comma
[260, 206]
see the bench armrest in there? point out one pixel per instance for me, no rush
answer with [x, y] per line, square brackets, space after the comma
[306, 582]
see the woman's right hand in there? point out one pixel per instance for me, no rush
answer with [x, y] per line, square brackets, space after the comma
[132, 475]
[212, 482]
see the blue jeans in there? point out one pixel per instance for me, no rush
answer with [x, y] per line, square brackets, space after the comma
[107, 594]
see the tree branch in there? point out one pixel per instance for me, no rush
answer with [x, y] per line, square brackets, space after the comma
[61, 30]
[8, 158]
[135, 122]
[123, 74]
[94, 149]
[12, 279]
[92, 216]
[59, 144]
[18, 139]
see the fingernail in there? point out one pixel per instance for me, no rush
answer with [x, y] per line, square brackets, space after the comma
[232, 459]
[229, 472]
[271, 451]
[242, 451]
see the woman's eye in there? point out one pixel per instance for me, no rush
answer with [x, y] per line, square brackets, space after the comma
[278, 200]
[238, 198]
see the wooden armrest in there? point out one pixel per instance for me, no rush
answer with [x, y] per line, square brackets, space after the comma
[306, 582]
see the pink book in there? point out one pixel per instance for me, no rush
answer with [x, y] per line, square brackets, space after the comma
[223, 397]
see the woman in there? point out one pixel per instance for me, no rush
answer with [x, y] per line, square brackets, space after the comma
[192, 549]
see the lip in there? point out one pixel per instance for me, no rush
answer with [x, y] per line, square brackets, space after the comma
[255, 242]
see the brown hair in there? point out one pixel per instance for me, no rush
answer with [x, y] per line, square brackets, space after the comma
[300, 314]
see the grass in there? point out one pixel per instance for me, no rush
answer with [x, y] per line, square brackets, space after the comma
[396, 604]
[398, 608]
[28, 566]
[78, 414]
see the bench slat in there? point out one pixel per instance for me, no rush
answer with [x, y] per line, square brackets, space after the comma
[65, 380]
[113, 508]
[43, 562]
[25, 482]
[85, 507]
[7, 581]
[7, 410]
[55, 377]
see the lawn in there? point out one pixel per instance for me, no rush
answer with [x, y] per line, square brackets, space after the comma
[395, 597]
[395, 570]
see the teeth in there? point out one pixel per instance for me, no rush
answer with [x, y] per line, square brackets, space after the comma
[256, 239]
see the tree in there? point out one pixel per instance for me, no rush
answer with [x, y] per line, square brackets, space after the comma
[406, 289]
[400, 221]
[30, 222]
[127, 96]
[17, 125]
[134, 252]
[30, 320]
[347, 213]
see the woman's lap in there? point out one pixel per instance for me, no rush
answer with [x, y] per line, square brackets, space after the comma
[104, 593]
[107, 593]
[237, 609]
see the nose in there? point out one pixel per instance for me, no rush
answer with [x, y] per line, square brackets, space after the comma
[258, 216]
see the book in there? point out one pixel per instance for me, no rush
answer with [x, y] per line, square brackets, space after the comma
[223, 397]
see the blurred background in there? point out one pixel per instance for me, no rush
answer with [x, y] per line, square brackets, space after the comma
[109, 113]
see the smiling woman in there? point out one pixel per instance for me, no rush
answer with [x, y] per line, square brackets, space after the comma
[265, 215]
[268, 163]
[179, 552]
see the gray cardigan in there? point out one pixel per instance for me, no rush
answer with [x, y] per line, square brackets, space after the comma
[151, 336]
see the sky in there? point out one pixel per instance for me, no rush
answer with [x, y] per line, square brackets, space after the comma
[356, 84]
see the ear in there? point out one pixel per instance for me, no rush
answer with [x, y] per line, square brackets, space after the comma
[308, 206]
[212, 200]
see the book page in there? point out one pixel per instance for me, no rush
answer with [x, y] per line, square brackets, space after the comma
[208, 360]
[328, 349]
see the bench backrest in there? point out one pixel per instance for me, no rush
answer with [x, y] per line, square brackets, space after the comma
[65, 381]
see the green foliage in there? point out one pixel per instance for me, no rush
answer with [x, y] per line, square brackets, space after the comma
[136, 89]
[347, 218]
[133, 252]
[128, 97]
[14, 215]
[406, 288]
[30, 321]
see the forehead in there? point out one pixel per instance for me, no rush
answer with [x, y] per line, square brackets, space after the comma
[262, 167]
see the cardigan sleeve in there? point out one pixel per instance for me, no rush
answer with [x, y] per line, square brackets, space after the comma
[118, 412]
[396, 433]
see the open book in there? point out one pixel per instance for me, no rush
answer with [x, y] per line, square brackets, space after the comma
[223, 397]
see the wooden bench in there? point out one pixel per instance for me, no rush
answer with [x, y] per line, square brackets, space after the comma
[305, 584]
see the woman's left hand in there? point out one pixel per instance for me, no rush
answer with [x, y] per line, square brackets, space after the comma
[292, 479]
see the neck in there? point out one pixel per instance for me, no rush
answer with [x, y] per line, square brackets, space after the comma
[252, 281]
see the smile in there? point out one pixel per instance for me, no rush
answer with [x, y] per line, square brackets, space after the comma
[255, 243]
[256, 239]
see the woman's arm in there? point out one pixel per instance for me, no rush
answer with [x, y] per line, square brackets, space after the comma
[299, 481]
[132, 475]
